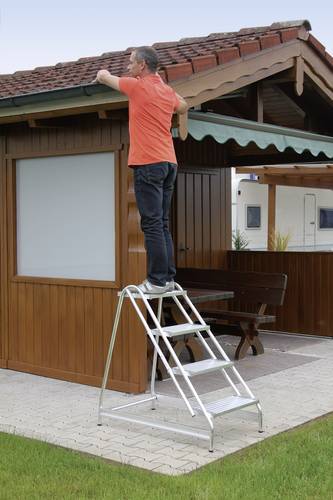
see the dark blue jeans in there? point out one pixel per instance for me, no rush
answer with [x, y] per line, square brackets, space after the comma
[153, 185]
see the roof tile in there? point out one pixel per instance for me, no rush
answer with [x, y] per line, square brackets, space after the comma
[289, 34]
[178, 71]
[202, 63]
[178, 59]
[249, 47]
[228, 54]
[268, 41]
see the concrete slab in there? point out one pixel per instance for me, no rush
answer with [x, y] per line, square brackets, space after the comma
[293, 388]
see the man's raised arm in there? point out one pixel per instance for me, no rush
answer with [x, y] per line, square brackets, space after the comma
[183, 106]
[105, 77]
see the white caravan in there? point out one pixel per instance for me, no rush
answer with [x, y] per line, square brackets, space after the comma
[305, 214]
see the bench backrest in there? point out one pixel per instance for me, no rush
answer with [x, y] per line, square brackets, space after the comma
[249, 287]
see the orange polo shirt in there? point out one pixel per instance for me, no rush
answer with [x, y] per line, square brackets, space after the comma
[151, 106]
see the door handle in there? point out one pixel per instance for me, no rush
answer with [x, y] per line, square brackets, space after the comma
[183, 249]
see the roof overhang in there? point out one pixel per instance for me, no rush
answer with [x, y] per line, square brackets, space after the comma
[62, 102]
[295, 55]
[223, 128]
[201, 87]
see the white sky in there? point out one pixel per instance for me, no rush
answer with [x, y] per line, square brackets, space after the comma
[36, 33]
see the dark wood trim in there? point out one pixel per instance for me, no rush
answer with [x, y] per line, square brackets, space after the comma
[3, 257]
[12, 218]
[65, 152]
[65, 282]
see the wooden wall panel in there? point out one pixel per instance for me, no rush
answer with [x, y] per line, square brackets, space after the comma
[308, 305]
[60, 329]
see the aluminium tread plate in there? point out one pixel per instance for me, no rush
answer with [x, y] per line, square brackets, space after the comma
[226, 405]
[204, 366]
[181, 329]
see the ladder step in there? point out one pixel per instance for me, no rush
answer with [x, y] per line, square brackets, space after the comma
[226, 405]
[182, 329]
[204, 366]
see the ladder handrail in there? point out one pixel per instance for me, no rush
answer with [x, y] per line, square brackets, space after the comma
[172, 352]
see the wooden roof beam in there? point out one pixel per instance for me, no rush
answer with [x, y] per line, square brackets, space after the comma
[48, 123]
[117, 114]
[210, 84]
[284, 180]
[291, 103]
[292, 170]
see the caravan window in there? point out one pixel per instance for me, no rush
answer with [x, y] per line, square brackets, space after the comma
[253, 216]
[326, 218]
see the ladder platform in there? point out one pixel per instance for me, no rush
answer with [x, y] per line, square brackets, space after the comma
[204, 366]
[181, 329]
[151, 296]
[226, 405]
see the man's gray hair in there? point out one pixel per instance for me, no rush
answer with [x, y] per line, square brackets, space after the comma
[149, 55]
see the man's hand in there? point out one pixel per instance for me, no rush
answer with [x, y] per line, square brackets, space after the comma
[183, 106]
[105, 77]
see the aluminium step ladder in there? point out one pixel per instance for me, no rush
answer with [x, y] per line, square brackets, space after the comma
[200, 329]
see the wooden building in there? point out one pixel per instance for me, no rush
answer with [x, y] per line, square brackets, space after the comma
[69, 227]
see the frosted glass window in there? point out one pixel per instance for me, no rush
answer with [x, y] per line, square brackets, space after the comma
[66, 216]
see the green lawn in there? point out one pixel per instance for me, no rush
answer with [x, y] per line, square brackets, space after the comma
[294, 465]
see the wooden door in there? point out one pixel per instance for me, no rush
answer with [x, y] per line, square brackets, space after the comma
[202, 217]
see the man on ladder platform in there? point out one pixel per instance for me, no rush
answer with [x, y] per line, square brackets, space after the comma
[152, 157]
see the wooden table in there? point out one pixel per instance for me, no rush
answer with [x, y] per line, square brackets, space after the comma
[172, 315]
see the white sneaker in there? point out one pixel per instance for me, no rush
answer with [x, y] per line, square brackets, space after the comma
[170, 285]
[147, 287]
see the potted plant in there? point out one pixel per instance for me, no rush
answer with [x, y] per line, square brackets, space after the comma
[239, 240]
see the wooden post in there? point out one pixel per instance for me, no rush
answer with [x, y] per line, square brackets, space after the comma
[183, 130]
[259, 103]
[271, 216]
[299, 75]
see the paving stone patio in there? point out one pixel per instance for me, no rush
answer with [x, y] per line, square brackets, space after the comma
[293, 381]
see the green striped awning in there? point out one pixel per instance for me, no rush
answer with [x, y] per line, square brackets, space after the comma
[222, 128]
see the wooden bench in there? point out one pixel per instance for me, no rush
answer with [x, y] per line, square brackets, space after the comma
[251, 289]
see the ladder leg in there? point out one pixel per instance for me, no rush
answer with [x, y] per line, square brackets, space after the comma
[211, 440]
[109, 357]
[260, 418]
[154, 364]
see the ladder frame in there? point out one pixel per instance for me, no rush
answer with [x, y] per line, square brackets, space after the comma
[133, 292]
